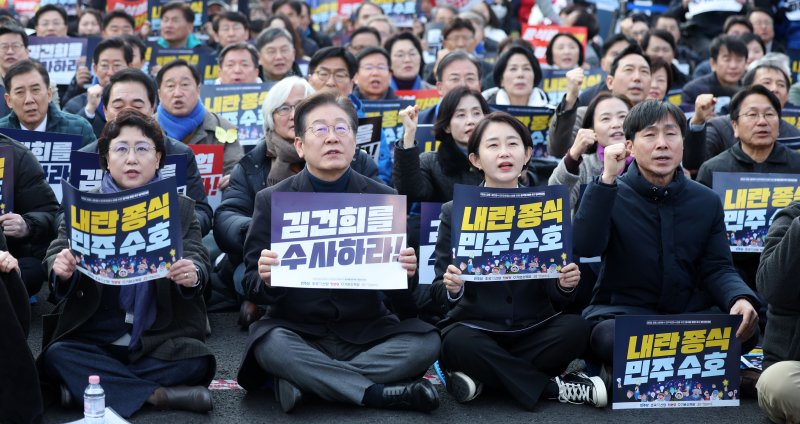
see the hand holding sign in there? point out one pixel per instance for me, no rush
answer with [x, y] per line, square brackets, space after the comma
[65, 264]
[613, 162]
[749, 318]
[452, 280]
[703, 108]
[267, 260]
[14, 225]
[8, 262]
[82, 75]
[569, 277]
[409, 116]
[183, 273]
[408, 260]
[585, 139]
[574, 83]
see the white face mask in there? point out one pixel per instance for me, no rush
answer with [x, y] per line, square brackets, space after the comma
[500, 10]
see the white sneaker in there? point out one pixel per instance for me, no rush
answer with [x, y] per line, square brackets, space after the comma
[463, 387]
[578, 388]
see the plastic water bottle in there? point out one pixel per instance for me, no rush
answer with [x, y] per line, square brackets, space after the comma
[94, 402]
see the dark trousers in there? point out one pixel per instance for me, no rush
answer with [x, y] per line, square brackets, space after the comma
[127, 385]
[33, 274]
[601, 342]
[521, 364]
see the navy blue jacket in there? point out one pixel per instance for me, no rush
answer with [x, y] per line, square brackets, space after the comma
[664, 249]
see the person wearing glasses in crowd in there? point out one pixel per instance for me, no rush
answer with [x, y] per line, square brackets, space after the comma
[50, 21]
[271, 161]
[109, 57]
[456, 69]
[238, 64]
[13, 48]
[362, 38]
[147, 341]
[459, 35]
[407, 62]
[374, 75]
[314, 341]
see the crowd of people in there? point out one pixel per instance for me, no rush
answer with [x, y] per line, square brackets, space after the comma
[686, 92]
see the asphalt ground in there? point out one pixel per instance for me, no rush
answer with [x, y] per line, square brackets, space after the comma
[238, 406]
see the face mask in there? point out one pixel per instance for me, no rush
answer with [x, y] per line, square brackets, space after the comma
[500, 10]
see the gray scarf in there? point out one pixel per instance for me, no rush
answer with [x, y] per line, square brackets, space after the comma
[285, 161]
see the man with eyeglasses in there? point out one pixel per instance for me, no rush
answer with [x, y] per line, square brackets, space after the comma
[13, 48]
[710, 135]
[337, 346]
[109, 57]
[238, 64]
[459, 35]
[362, 38]
[456, 69]
[374, 75]
[183, 117]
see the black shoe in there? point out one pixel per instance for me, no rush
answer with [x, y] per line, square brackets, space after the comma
[287, 394]
[249, 313]
[463, 387]
[184, 398]
[419, 395]
[581, 389]
[66, 397]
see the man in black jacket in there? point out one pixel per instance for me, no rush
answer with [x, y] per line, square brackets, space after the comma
[728, 61]
[333, 343]
[661, 235]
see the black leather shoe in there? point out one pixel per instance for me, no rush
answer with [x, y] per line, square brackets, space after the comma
[287, 394]
[419, 395]
[66, 396]
[249, 313]
[185, 398]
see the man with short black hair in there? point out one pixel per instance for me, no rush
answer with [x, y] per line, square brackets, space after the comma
[231, 28]
[109, 57]
[315, 341]
[333, 68]
[728, 63]
[362, 38]
[612, 47]
[659, 43]
[29, 95]
[117, 22]
[238, 64]
[629, 75]
[623, 219]
[13, 48]
[293, 9]
[177, 26]
[374, 75]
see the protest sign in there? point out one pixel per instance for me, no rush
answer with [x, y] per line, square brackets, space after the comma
[69, 6]
[537, 120]
[136, 8]
[794, 54]
[428, 233]
[675, 361]
[209, 162]
[425, 99]
[202, 58]
[127, 237]
[154, 13]
[388, 109]
[426, 141]
[401, 12]
[368, 136]
[791, 115]
[322, 11]
[338, 240]
[240, 104]
[554, 82]
[26, 8]
[540, 35]
[511, 234]
[6, 179]
[87, 175]
[697, 7]
[59, 55]
[675, 96]
[52, 150]
[750, 202]
[791, 142]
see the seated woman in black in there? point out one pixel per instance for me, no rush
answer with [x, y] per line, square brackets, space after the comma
[495, 333]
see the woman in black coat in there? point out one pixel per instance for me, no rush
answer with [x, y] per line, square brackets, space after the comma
[508, 335]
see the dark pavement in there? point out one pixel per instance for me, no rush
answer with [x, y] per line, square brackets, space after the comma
[227, 342]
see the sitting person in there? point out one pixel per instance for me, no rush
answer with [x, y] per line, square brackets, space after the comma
[777, 282]
[145, 340]
[327, 342]
[623, 219]
[493, 333]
